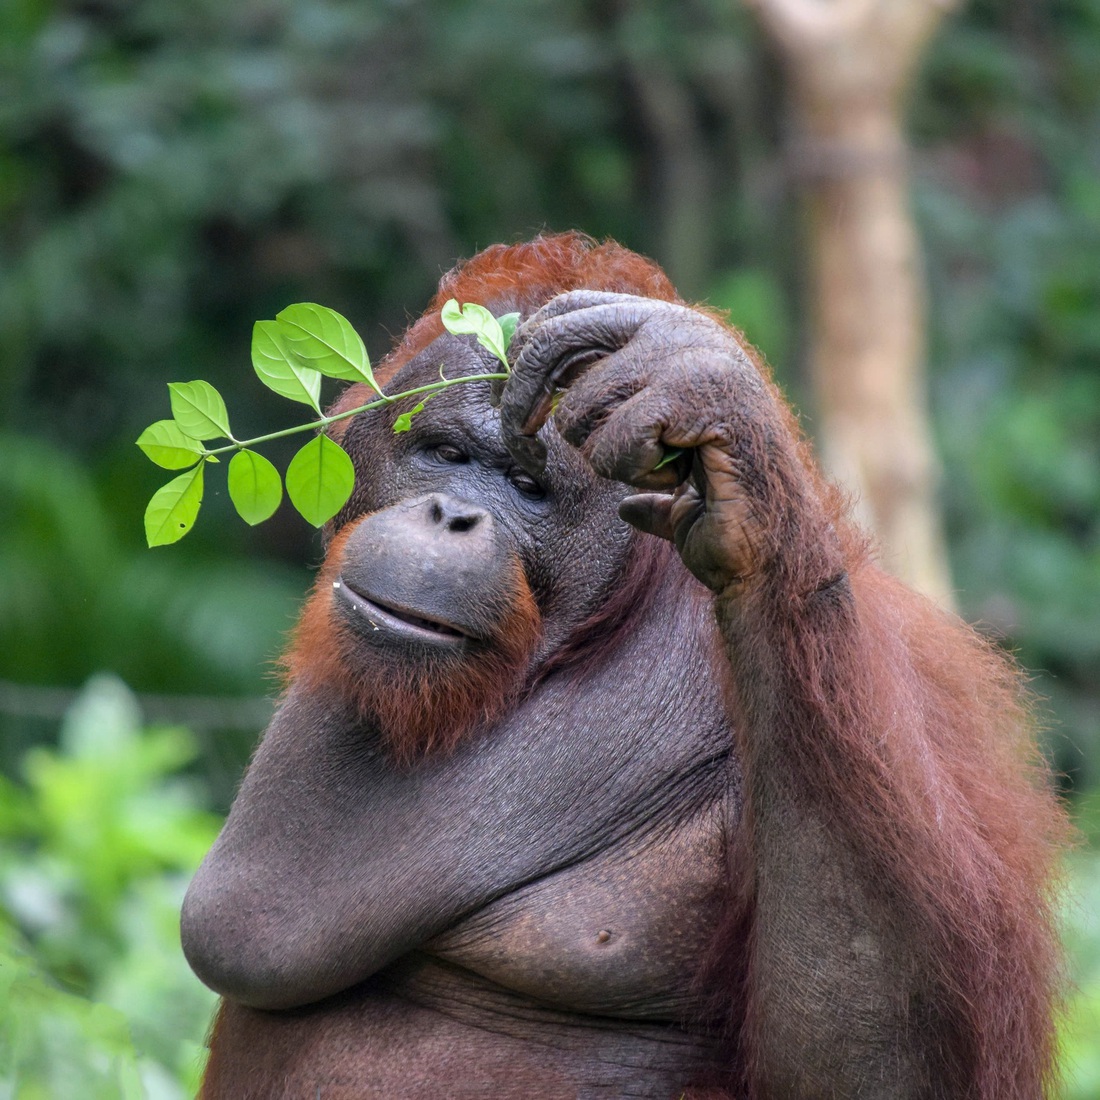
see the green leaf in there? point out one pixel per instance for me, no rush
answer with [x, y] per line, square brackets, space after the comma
[324, 340]
[172, 511]
[670, 455]
[470, 319]
[199, 410]
[280, 370]
[319, 480]
[254, 487]
[404, 422]
[474, 320]
[167, 446]
[509, 322]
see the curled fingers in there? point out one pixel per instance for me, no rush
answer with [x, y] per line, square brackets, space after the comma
[552, 352]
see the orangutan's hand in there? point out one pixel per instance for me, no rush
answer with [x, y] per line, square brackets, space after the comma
[633, 381]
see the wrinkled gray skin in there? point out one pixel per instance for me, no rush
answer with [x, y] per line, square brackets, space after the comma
[527, 916]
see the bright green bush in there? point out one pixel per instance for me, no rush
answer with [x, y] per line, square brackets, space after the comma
[96, 846]
[1081, 1031]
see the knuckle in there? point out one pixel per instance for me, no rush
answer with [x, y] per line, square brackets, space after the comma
[534, 351]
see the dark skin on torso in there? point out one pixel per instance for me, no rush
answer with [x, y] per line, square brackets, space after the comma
[535, 913]
[582, 982]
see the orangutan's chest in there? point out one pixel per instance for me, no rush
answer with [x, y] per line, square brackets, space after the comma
[622, 934]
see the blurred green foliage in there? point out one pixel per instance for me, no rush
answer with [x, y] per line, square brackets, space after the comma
[97, 840]
[1081, 1030]
[1008, 194]
[171, 172]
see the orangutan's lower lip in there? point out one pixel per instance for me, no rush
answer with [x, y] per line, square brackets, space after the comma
[383, 616]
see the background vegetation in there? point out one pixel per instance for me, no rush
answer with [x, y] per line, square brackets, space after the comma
[170, 172]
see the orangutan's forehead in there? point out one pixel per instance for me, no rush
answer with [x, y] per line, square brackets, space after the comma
[447, 356]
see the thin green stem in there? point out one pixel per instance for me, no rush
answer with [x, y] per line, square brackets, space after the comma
[325, 421]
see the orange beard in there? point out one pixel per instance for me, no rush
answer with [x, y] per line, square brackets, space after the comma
[423, 706]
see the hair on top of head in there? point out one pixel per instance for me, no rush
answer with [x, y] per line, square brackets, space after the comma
[530, 273]
[522, 278]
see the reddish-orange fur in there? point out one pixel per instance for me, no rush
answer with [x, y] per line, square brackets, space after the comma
[918, 750]
[930, 771]
[921, 752]
[527, 276]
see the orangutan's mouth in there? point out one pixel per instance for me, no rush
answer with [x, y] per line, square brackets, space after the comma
[398, 620]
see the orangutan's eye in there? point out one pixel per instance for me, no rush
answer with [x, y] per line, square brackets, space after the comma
[526, 484]
[448, 452]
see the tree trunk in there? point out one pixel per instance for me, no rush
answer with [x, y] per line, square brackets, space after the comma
[849, 64]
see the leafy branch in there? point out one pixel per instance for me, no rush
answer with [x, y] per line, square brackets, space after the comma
[290, 355]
